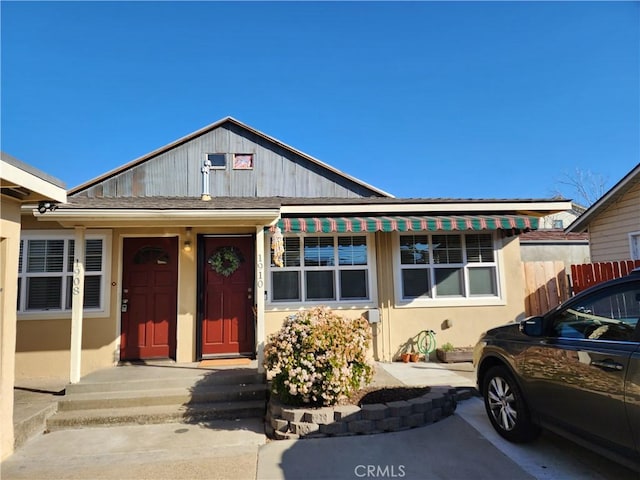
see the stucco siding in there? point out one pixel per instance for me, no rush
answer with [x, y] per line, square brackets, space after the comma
[9, 244]
[569, 254]
[399, 324]
[462, 325]
[609, 232]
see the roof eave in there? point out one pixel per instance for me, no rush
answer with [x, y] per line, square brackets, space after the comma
[148, 217]
[538, 209]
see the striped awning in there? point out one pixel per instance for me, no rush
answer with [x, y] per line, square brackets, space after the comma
[406, 223]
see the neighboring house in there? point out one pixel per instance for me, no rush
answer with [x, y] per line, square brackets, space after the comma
[613, 222]
[551, 243]
[561, 220]
[19, 184]
[202, 248]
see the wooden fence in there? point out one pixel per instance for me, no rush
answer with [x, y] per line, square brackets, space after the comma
[547, 283]
[589, 274]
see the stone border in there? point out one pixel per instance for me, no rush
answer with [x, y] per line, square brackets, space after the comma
[286, 423]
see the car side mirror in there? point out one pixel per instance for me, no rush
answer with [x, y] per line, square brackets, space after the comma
[532, 326]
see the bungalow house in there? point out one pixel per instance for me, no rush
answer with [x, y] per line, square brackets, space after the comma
[201, 248]
[19, 184]
[613, 222]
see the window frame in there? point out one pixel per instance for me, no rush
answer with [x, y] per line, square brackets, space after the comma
[67, 236]
[217, 167]
[449, 301]
[336, 303]
[237, 165]
[634, 245]
[559, 317]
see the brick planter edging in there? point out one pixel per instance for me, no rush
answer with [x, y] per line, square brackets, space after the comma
[283, 422]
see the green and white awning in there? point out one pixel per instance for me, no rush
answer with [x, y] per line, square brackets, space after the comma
[512, 223]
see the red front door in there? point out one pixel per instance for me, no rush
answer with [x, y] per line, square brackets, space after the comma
[149, 298]
[228, 324]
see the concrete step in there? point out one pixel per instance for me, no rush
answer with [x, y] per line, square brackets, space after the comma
[164, 396]
[157, 383]
[31, 423]
[189, 414]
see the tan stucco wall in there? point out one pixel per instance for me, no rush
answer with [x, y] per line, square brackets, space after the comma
[43, 344]
[9, 250]
[398, 325]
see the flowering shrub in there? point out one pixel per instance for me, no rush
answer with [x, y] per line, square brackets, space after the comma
[318, 357]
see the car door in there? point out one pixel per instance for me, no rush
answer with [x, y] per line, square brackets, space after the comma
[632, 396]
[576, 374]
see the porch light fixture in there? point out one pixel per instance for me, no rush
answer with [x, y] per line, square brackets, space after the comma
[44, 206]
[187, 243]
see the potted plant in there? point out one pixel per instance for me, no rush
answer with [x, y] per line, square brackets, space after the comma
[449, 354]
[414, 356]
[406, 351]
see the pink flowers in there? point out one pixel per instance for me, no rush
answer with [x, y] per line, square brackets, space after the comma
[318, 357]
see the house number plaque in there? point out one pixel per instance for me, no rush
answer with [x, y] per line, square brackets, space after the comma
[260, 265]
[77, 271]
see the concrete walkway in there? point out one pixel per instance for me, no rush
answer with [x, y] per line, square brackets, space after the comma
[448, 449]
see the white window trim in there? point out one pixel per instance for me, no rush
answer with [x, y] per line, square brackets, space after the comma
[105, 236]
[400, 302]
[217, 167]
[295, 305]
[634, 246]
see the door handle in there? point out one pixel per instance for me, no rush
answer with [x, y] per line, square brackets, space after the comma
[608, 365]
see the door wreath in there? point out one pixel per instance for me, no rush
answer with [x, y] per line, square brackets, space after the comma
[225, 260]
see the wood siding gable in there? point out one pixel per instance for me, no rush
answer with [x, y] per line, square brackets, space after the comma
[278, 171]
[609, 231]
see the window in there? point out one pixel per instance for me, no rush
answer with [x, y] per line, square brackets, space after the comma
[323, 268]
[45, 273]
[609, 315]
[447, 266]
[558, 224]
[218, 160]
[634, 245]
[243, 161]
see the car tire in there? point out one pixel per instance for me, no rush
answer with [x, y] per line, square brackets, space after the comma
[506, 406]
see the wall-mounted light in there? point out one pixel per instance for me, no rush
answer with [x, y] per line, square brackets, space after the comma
[44, 206]
[186, 246]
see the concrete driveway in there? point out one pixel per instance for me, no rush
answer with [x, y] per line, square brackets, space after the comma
[458, 447]
[461, 446]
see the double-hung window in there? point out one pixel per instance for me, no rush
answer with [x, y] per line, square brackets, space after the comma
[322, 269]
[45, 273]
[446, 266]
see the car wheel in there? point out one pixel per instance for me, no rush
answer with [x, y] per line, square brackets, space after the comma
[506, 407]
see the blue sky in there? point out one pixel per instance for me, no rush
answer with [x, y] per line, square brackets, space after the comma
[420, 99]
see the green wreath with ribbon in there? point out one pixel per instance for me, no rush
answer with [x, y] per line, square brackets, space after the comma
[225, 260]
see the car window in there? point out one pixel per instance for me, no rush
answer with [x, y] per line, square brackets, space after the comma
[611, 314]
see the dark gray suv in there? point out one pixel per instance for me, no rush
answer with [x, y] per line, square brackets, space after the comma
[574, 370]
